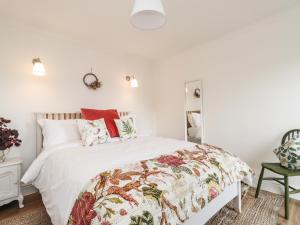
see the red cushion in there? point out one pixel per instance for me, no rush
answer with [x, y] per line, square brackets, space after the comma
[109, 115]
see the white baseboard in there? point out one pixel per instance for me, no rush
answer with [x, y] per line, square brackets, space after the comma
[28, 189]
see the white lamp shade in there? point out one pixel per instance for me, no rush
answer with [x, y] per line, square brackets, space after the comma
[38, 69]
[148, 14]
[134, 83]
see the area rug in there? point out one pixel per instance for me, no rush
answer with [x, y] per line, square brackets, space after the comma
[261, 211]
[36, 216]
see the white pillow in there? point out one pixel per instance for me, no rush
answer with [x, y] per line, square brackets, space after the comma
[57, 132]
[93, 132]
[126, 127]
[190, 119]
[196, 117]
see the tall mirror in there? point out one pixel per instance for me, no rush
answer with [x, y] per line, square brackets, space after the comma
[194, 111]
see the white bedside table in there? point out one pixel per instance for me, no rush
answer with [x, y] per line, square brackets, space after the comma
[10, 176]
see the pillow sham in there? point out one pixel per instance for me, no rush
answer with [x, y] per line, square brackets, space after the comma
[289, 154]
[126, 127]
[190, 119]
[57, 132]
[109, 115]
[93, 132]
[196, 119]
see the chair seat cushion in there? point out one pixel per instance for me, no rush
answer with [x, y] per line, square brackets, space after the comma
[289, 154]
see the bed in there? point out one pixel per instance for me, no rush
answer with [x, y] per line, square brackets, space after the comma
[62, 173]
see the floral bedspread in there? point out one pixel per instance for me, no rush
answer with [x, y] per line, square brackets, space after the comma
[165, 190]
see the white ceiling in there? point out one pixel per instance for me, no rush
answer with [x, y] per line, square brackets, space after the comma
[105, 23]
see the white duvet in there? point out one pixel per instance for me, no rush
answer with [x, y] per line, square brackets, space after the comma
[62, 172]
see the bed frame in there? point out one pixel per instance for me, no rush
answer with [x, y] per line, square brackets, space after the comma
[232, 192]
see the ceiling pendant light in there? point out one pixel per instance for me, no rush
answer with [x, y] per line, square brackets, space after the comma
[148, 14]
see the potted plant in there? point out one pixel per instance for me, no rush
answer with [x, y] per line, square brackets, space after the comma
[8, 138]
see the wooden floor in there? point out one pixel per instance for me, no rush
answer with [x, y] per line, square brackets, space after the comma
[34, 201]
[294, 212]
[30, 202]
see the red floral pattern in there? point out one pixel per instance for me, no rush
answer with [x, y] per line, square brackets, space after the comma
[197, 173]
[171, 160]
[83, 213]
[105, 223]
[163, 190]
[213, 193]
[123, 212]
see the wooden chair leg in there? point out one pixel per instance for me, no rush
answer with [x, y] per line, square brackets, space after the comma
[261, 176]
[286, 184]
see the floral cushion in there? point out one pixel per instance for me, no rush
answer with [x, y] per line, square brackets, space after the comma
[93, 132]
[289, 154]
[126, 128]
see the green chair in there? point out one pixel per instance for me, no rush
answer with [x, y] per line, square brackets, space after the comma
[286, 173]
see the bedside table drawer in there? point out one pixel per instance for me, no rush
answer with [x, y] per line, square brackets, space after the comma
[9, 186]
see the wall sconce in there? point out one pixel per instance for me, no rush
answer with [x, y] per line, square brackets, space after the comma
[133, 82]
[38, 67]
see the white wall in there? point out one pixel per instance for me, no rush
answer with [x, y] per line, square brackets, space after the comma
[251, 81]
[62, 89]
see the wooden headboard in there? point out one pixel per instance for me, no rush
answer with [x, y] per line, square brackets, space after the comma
[57, 116]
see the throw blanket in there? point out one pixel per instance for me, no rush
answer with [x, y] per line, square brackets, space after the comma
[164, 190]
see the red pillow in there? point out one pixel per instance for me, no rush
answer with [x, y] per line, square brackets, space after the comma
[109, 115]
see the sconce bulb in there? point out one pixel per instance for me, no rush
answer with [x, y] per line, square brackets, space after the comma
[38, 67]
[134, 83]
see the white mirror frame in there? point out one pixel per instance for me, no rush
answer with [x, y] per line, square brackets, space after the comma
[185, 109]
